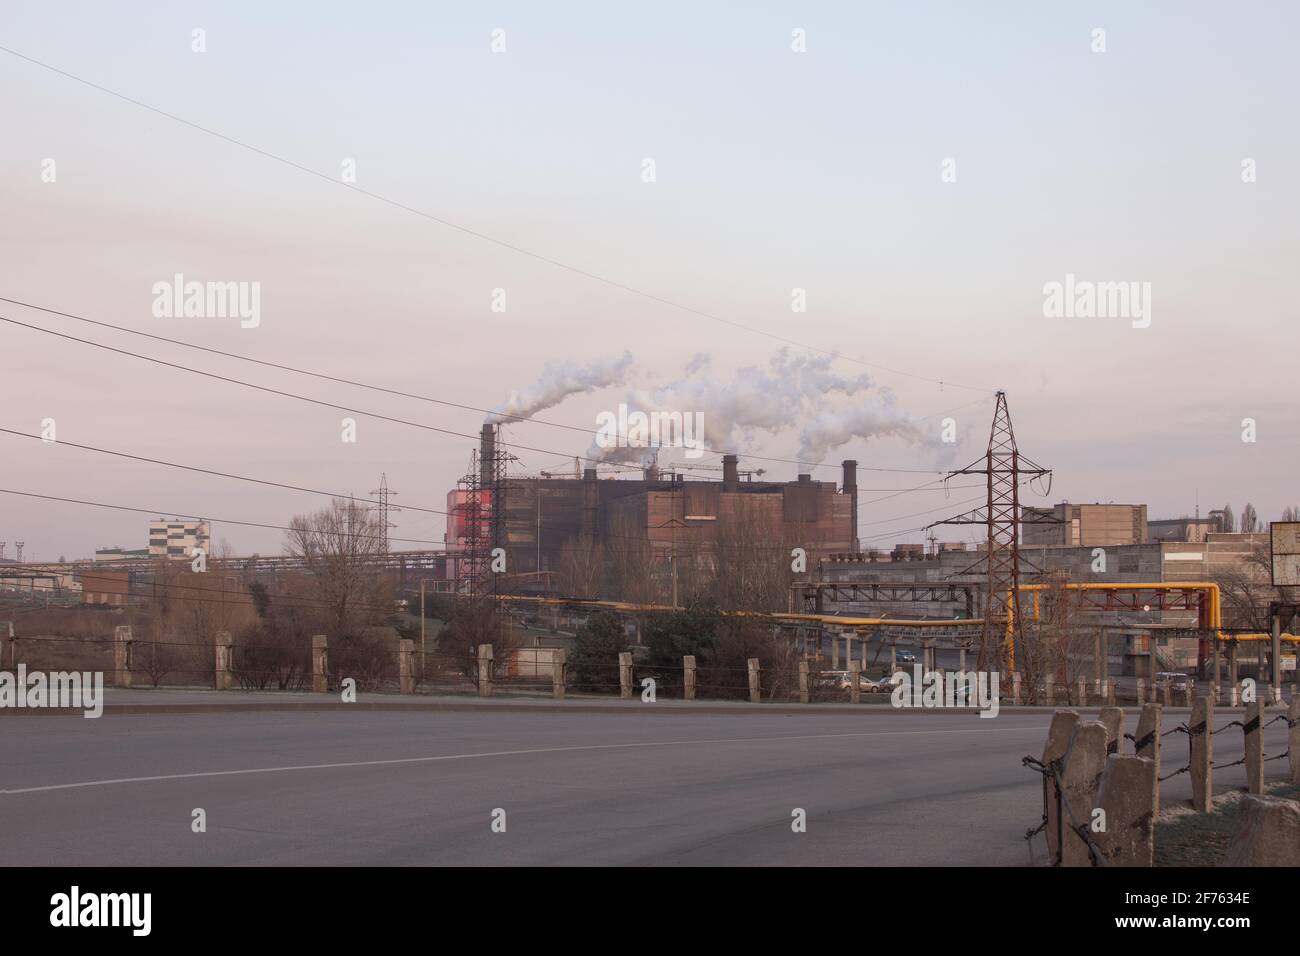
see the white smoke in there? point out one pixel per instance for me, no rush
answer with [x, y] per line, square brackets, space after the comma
[558, 381]
[793, 396]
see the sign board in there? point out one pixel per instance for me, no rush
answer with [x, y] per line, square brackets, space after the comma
[1285, 549]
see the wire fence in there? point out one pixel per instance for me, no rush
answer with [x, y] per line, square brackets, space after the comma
[391, 666]
[1150, 745]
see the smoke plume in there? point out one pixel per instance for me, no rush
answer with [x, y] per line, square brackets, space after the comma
[558, 381]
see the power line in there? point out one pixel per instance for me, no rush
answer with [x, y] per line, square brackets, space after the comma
[520, 250]
[283, 394]
[379, 388]
[209, 518]
[289, 368]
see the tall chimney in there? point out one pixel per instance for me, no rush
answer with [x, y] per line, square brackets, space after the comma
[487, 447]
[850, 487]
[730, 473]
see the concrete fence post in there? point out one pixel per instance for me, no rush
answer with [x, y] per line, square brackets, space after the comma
[835, 651]
[223, 678]
[756, 687]
[1110, 691]
[1113, 720]
[1127, 795]
[1049, 692]
[320, 663]
[1146, 741]
[1085, 761]
[406, 666]
[559, 660]
[688, 676]
[1254, 731]
[1081, 692]
[486, 662]
[893, 656]
[855, 682]
[803, 682]
[1059, 734]
[1293, 736]
[625, 675]
[12, 645]
[123, 655]
[1141, 692]
[928, 655]
[1201, 743]
[1015, 689]
[1167, 694]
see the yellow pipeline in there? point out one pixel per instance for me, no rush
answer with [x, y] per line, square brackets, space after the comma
[1215, 622]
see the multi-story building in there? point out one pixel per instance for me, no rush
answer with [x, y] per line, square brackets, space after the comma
[1087, 526]
[177, 539]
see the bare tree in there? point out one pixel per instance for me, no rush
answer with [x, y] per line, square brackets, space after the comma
[629, 562]
[1229, 520]
[581, 566]
[342, 550]
[1249, 520]
[753, 569]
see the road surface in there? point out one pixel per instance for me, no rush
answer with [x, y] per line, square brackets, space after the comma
[669, 786]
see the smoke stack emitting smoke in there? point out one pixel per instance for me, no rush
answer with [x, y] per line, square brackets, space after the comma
[560, 380]
[799, 394]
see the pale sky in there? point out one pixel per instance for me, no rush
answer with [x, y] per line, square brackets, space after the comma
[775, 170]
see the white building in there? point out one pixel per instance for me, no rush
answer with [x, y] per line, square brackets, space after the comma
[176, 539]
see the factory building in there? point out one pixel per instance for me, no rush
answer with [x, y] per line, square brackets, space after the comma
[668, 512]
[1086, 526]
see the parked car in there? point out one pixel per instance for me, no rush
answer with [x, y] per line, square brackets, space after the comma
[1175, 679]
[881, 685]
[906, 657]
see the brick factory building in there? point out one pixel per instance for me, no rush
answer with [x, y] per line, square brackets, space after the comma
[669, 512]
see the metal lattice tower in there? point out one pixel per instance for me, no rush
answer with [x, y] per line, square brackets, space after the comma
[484, 506]
[1004, 469]
[385, 507]
[19, 546]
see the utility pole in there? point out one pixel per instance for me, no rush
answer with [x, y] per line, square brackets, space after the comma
[1003, 468]
[384, 495]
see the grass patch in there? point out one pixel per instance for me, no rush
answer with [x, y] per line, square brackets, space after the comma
[1200, 839]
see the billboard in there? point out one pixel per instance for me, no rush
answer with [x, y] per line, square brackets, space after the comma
[1285, 548]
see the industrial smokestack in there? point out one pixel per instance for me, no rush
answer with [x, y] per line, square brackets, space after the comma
[850, 487]
[730, 473]
[487, 452]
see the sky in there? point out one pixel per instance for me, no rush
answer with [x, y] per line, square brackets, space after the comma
[921, 170]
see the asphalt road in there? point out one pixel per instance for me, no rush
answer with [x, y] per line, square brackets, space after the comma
[341, 787]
